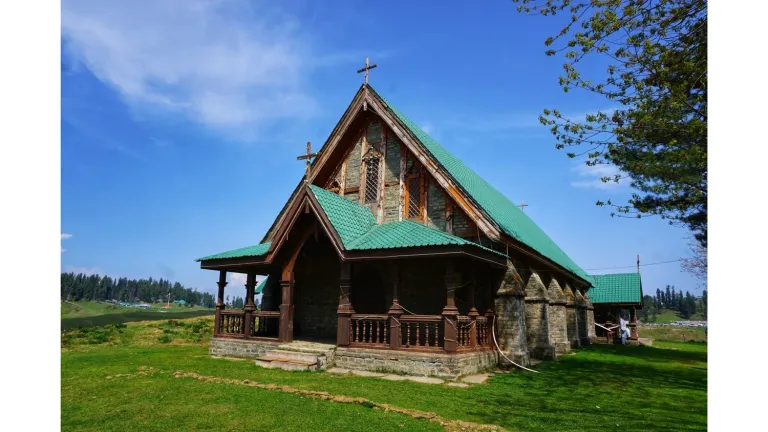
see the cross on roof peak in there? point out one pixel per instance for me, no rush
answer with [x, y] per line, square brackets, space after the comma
[308, 157]
[522, 205]
[366, 69]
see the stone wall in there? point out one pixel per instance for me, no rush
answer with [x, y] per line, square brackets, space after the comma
[571, 317]
[353, 166]
[392, 179]
[435, 206]
[448, 366]
[591, 330]
[558, 328]
[581, 308]
[510, 317]
[537, 318]
[222, 347]
[316, 290]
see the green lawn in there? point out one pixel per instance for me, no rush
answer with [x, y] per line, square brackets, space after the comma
[604, 387]
[674, 334]
[668, 315]
[91, 313]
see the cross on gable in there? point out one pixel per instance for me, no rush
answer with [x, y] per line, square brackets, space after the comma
[522, 205]
[308, 157]
[366, 69]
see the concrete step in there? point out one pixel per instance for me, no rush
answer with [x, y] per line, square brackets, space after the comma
[293, 355]
[285, 364]
[307, 347]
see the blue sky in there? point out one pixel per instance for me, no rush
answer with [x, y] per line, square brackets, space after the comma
[181, 122]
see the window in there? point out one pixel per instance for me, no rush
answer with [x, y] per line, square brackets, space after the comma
[371, 180]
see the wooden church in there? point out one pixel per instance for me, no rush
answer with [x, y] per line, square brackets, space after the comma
[392, 254]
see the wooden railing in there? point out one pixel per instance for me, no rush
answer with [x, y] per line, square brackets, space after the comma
[471, 333]
[369, 330]
[232, 323]
[265, 324]
[421, 332]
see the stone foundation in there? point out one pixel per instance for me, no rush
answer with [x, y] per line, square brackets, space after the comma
[558, 328]
[447, 366]
[225, 347]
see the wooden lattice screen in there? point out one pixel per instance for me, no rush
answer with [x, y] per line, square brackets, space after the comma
[372, 180]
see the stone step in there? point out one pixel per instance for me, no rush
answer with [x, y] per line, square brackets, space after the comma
[285, 364]
[306, 347]
[293, 355]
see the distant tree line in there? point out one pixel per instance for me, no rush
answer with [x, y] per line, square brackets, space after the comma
[685, 304]
[75, 287]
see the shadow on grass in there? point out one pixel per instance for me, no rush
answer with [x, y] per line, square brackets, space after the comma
[101, 320]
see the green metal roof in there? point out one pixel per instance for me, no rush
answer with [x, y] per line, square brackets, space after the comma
[350, 219]
[616, 288]
[504, 212]
[261, 285]
[250, 251]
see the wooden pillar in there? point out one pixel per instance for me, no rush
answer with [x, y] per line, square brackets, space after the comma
[249, 307]
[286, 307]
[450, 312]
[473, 313]
[345, 309]
[220, 301]
[395, 311]
[633, 324]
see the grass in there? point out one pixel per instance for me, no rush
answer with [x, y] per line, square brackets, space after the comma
[668, 316]
[675, 334]
[604, 387]
[91, 314]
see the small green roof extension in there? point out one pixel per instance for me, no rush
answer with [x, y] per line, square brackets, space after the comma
[250, 251]
[350, 219]
[504, 212]
[616, 288]
[261, 285]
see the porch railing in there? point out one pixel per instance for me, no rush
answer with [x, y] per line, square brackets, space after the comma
[421, 332]
[232, 323]
[369, 330]
[472, 333]
[263, 324]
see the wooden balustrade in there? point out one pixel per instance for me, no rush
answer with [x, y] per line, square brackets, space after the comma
[263, 324]
[421, 332]
[232, 323]
[369, 330]
[466, 326]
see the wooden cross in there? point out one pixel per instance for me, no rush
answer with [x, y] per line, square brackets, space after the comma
[308, 157]
[522, 205]
[366, 69]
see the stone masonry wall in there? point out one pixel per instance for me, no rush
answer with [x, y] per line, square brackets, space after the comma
[571, 316]
[582, 318]
[222, 347]
[392, 179]
[353, 166]
[435, 206]
[447, 366]
[558, 328]
[510, 317]
[537, 318]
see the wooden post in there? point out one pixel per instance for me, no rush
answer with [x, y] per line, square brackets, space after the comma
[220, 301]
[473, 313]
[632, 324]
[286, 307]
[249, 307]
[395, 311]
[345, 309]
[450, 311]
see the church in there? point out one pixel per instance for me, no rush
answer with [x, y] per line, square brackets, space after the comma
[393, 255]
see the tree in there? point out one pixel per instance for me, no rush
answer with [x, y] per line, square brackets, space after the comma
[656, 80]
[668, 298]
[696, 264]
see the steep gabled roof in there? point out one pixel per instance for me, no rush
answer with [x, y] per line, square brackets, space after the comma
[513, 221]
[616, 288]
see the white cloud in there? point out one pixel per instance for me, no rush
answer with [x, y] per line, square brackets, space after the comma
[65, 236]
[238, 279]
[591, 175]
[84, 270]
[232, 65]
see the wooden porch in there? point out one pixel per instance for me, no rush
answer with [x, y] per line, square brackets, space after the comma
[397, 329]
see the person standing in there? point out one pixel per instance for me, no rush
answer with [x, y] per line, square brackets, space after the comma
[623, 328]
